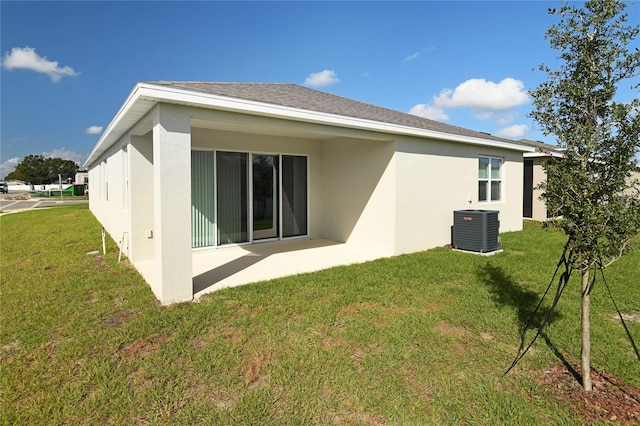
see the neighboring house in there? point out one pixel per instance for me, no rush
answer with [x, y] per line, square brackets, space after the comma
[634, 183]
[533, 207]
[190, 168]
[82, 177]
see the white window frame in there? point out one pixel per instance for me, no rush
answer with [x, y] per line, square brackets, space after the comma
[489, 179]
[125, 177]
[251, 239]
[105, 179]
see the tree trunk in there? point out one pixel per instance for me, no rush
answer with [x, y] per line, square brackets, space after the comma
[585, 352]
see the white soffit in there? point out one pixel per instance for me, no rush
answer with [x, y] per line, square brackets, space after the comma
[144, 96]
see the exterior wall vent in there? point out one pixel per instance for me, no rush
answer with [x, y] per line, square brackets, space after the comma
[476, 230]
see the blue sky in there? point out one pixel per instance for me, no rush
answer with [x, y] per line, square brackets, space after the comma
[68, 66]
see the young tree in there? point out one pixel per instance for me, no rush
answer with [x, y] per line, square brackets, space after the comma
[589, 192]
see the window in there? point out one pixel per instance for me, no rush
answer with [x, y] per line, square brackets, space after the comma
[489, 179]
[125, 178]
[105, 178]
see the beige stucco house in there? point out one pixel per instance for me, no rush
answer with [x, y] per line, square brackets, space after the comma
[211, 185]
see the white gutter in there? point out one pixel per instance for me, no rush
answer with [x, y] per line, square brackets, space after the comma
[152, 94]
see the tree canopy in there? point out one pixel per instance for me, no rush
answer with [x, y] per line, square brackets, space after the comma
[584, 190]
[37, 170]
[590, 192]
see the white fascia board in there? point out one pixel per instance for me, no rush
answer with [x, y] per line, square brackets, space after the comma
[144, 93]
[114, 130]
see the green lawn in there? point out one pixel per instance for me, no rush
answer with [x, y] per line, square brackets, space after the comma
[417, 339]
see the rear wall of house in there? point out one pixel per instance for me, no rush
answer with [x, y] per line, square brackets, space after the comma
[435, 178]
[359, 193]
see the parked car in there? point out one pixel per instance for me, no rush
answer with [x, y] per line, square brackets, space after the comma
[4, 188]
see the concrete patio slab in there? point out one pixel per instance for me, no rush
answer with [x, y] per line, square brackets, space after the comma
[214, 269]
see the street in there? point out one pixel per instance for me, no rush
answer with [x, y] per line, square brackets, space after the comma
[8, 203]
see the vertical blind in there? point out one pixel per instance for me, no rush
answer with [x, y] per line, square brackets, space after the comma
[202, 207]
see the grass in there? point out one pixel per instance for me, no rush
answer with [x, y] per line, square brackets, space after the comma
[415, 339]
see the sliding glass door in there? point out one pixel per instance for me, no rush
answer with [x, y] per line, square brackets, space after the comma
[239, 197]
[265, 196]
[294, 195]
[232, 190]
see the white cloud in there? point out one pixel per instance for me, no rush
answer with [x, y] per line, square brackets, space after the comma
[491, 101]
[505, 118]
[480, 94]
[8, 166]
[27, 58]
[322, 78]
[415, 55]
[411, 57]
[501, 117]
[516, 131]
[94, 130]
[429, 111]
[65, 154]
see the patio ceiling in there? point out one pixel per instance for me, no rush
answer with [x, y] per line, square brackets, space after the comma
[233, 122]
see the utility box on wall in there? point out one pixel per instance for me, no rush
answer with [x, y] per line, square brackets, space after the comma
[476, 230]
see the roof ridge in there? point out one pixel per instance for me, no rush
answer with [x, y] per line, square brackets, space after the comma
[538, 144]
[217, 82]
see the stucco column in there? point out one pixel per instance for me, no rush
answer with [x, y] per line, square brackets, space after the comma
[172, 202]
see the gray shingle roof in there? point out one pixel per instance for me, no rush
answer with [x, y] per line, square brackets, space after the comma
[541, 146]
[295, 96]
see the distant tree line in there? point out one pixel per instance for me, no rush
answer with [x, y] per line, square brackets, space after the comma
[38, 170]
